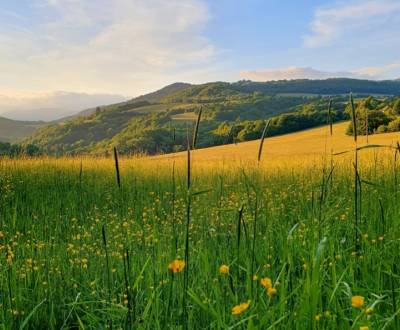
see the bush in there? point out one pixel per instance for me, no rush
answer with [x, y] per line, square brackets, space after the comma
[394, 126]
[382, 129]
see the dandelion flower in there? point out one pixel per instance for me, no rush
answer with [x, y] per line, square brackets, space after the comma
[224, 269]
[176, 266]
[317, 317]
[364, 327]
[266, 282]
[357, 301]
[239, 309]
[271, 292]
[255, 277]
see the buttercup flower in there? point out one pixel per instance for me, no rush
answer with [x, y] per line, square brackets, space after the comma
[266, 282]
[271, 292]
[224, 269]
[176, 266]
[238, 309]
[357, 301]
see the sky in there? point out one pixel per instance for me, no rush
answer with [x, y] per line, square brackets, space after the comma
[130, 47]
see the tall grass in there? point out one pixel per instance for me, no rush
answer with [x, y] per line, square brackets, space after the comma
[87, 260]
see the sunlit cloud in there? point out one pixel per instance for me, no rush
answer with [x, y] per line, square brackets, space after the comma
[347, 19]
[375, 73]
[119, 46]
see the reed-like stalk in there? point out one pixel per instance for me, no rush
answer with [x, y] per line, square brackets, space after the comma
[103, 232]
[238, 237]
[187, 234]
[356, 175]
[262, 140]
[127, 287]
[173, 201]
[330, 119]
[253, 251]
[366, 124]
[117, 167]
[353, 117]
[196, 129]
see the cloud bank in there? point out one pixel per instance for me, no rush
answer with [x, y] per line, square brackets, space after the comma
[371, 20]
[373, 73]
[120, 46]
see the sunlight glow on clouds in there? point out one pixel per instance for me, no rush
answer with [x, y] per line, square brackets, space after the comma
[348, 18]
[119, 46]
[376, 72]
[292, 73]
[50, 105]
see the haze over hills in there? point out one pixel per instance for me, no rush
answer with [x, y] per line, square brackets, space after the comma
[156, 122]
[12, 130]
[51, 106]
[152, 97]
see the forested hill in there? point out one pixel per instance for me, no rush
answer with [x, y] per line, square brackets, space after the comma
[333, 86]
[157, 122]
[12, 130]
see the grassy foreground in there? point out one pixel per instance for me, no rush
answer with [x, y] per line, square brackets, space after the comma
[304, 242]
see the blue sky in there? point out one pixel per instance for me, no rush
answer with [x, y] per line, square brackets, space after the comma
[130, 47]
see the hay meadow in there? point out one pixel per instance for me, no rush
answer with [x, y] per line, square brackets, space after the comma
[304, 239]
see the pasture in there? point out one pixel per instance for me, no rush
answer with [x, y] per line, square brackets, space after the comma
[303, 239]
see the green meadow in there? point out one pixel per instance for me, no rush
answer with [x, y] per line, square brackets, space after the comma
[305, 244]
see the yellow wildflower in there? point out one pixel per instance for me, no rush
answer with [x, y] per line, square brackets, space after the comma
[271, 292]
[176, 266]
[9, 256]
[255, 278]
[238, 309]
[317, 317]
[364, 327]
[357, 301]
[224, 269]
[266, 282]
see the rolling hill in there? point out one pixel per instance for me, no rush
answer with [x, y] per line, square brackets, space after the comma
[310, 143]
[152, 97]
[13, 130]
[157, 122]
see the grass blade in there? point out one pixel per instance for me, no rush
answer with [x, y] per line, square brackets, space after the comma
[262, 140]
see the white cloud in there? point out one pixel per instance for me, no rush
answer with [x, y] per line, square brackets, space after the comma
[382, 72]
[374, 73]
[292, 72]
[118, 46]
[368, 19]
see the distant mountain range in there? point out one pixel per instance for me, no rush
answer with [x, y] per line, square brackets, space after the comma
[51, 106]
[157, 122]
[99, 127]
[12, 130]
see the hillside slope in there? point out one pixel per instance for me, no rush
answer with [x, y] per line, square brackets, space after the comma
[231, 111]
[152, 97]
[13, 130]
[311, 142]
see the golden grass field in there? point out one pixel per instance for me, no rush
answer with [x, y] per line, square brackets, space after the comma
[304, 239]
[311, 142]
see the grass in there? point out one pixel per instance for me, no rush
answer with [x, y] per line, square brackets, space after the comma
[80, 250]
[304, 145]
[187, 116]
